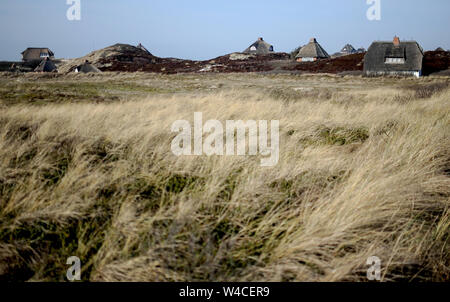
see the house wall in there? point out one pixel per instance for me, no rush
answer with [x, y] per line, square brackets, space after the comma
[415, 73]
[306, 59]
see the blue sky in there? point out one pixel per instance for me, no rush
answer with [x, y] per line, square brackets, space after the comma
[204, 29]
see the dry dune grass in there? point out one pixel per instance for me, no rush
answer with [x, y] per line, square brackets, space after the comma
[361, 173]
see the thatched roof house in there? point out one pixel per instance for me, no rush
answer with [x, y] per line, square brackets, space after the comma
[46, 65]
[87, 68]
[348, 49]
[36, 54]
[311, 52]
[394, 58]
[361, 50]
[260, 47]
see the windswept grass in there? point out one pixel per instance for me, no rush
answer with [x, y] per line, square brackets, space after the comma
[360, 174]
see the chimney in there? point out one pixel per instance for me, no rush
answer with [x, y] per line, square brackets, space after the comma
[260, 39]
[312, 40]
[396, 41]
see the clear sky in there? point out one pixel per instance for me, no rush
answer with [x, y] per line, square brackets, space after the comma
[204, 29]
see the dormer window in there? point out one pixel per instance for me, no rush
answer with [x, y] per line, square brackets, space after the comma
[395, 61]
[395, 54]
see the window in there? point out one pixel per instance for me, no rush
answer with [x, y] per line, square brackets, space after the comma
[44, 55]
[395, 61]
[253, 48]
[271, 48]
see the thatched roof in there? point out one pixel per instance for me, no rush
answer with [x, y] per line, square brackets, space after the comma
[87, 68]
[361, 50]
[410, 53]
[348, 49]
[259, 47]
[33, 53]
[46, 65]
[312, 50]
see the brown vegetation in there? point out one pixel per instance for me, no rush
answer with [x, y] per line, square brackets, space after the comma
[364, 171]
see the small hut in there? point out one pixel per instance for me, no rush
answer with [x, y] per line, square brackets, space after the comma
[46, 65]
[394, 58]
[260, 47]
[87, 68]
[311, 52]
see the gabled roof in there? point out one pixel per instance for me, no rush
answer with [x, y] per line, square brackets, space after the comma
[379, 51]
[259, 47]
[312, 50]
[46, 65]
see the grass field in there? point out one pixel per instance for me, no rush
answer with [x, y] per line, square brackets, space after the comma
[86, 170]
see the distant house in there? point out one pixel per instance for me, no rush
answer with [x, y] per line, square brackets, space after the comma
[394, 58]
[348, 50]
[311, 52]
[259, 47]
[87, 67]
[361, 50]
[36, 54]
